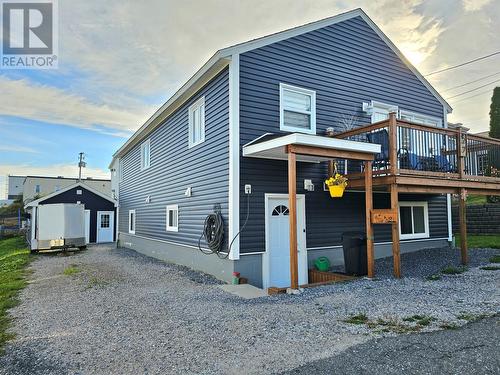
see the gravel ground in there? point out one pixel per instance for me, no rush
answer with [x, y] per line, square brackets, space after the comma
[128, 314]
[472, 349]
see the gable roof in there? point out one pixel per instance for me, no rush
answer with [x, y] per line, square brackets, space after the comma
[222, 58]
[67, 188]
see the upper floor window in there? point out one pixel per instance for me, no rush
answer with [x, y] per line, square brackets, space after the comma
[146, 154]
[419, 118]
[379, 111]
[297, 109]
[197, 122]
[37, 189]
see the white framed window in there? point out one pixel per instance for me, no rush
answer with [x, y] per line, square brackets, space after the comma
[37, 189]
[172, 218]
[379, 111]
[297, 109]
[420, 119]
[197, 122]
[413, 220]
[145, 154]
[79, 192]
[131, 221]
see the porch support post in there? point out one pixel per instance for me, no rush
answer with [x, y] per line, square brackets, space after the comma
[292, 204]
[462, 213]
[395, 232]
[368, 213]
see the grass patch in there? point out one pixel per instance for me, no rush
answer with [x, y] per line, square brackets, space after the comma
[14, 257]
[451, 270]
[71, 270]
[357, 319]
[95, 282]
[476, 199]
[421, 320]
[495, 259]
[433, 278]
[481, 241]
[449, 326]
[490, 268]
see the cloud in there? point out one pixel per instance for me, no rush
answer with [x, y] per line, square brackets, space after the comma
[473, 5]
[26, 99]
[10, 148]
[65, 170]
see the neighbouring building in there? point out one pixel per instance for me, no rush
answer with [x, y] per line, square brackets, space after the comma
[39, 186]
[15, 186]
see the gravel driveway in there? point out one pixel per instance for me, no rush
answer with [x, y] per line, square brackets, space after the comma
[124, 313]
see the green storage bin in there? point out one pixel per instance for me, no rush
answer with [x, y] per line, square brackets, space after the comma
[322, 264]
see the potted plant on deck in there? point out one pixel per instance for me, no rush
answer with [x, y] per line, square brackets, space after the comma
[336, 185]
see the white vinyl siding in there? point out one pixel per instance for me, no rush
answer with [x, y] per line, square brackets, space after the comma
[197, 122]
[172, 218]
[131, 221]
[146, 154]
[297, 109]
[413, 220]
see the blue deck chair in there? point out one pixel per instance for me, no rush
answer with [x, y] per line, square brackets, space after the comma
[380, 137]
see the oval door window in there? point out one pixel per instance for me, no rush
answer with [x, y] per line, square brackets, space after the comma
[280, 210]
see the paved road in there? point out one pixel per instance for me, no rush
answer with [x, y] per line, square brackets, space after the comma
[472, 349]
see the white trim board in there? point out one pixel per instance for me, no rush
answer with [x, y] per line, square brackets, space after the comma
[234, 157]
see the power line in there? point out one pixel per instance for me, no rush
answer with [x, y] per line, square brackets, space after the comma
[462, 64]
[468, 83]
[474, 89]
[473, 96]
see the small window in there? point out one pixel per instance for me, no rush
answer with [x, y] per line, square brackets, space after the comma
[297, 109]
[413, 220]
[37, 189]
[145, 154]
[280, 210]
[104, 221]
[78, 192]
[131, 221]
[420, 119]
[57, 188]
[197, 122]
[173, 218]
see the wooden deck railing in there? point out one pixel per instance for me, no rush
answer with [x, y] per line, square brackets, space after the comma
[424, 150]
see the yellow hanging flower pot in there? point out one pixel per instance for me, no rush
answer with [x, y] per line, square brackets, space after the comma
[336, 185]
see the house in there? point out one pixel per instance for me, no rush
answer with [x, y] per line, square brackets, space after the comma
[14, 186]
[38, 186]
[231, 150]
[99, 210]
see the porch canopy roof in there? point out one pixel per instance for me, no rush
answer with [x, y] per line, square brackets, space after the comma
[308, 148]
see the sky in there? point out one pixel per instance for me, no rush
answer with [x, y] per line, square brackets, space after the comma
[119, 60]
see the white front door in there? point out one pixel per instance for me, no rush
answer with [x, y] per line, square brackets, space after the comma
[87, 226]
[276, 260]
[105, 225]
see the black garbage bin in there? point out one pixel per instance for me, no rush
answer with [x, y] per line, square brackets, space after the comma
[354, 245]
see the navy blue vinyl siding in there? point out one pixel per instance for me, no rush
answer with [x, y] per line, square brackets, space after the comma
[346, 64]
[175, 167]
[92, 202]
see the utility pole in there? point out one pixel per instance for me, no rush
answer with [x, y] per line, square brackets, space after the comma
[81, 164]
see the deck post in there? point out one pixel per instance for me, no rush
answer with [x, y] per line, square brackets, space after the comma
[462, 213]
[292, 204]
[393, 143]
[370, 256]
[395, 232]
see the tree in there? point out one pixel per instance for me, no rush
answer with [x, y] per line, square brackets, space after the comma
[495, 114]
[494, 133]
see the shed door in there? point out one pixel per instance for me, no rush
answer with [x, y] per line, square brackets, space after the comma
[105, 225]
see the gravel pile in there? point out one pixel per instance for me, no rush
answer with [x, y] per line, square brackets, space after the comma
[124, 313]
